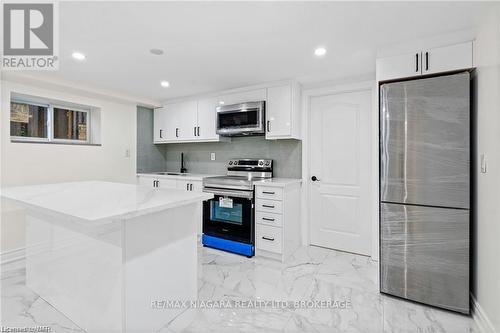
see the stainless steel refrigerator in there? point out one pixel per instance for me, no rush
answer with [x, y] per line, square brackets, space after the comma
[425, 190]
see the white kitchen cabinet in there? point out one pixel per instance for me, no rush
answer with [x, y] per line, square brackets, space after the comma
[159, 116]
[427, 61]
[447, 58]
[277, 218]
[156, 182]
[283, 112]
[165, 124]
[185, 114]
[189, 185]
[188, 121]
[400, 66]
[207, 115]
[254, 95]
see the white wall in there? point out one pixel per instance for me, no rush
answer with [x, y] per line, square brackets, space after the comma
[486, 257]
[31, 163]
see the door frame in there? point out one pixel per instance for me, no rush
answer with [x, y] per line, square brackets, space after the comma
[326, 90]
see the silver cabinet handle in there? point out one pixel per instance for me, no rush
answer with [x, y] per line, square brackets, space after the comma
[177, 132]
[266, 192]
[187, 187]
[268, 219]
[416, 62]
[426, 61]
[161, 134]
[268, 239]
[269, 126]
[190, 187]
[268, 206]
[198, 130]
[194, 128]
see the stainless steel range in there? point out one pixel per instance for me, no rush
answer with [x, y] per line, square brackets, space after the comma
[228, 218]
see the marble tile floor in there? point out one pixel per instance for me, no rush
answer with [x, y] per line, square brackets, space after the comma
[312, 273]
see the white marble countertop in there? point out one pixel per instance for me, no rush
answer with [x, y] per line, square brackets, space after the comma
[278, 182]
[187, 176]
[98, 200]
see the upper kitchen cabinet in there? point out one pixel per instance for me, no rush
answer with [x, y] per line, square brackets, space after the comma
[406, 65]
[175, 122]
[207, 119]
[188, 121]
[283, 112]
[255, 95]
[448, 58]
[424, 62]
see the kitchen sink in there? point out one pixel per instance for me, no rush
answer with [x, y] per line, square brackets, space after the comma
[171, 173]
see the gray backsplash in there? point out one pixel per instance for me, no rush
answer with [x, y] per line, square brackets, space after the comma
[286, 154]
[150, 157]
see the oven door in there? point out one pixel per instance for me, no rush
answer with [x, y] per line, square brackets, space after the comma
[229, 217]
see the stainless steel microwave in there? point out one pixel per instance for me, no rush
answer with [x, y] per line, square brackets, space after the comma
[241, 119]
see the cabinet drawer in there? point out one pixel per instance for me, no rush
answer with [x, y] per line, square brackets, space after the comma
[269, 206]
[268, 238]
[273, 193]
[269, 219]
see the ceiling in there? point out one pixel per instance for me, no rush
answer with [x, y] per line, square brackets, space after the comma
[212, 46]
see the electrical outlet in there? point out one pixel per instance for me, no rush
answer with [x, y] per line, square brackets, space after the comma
[127, 153]
[212, 156]
[484, 163]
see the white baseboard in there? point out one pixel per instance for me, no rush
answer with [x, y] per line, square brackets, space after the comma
[480, 318]
[12, 255]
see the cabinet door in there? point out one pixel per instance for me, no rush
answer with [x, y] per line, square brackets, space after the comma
[401, 66]
[146, 181]
[159, 125]
[196, 186]
[183, 185]
[167, 183]
[279, 111]
[186, 113]
[244, 96]
[206, 118]
[447, 58]
[168, 122]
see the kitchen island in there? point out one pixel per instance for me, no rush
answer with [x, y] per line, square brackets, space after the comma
[107, 255]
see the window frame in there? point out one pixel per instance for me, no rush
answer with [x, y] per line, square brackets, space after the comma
[30, 138]
[51, 117]
[50, 123]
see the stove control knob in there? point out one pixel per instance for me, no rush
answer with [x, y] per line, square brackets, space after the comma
[261, 163]
[230, 162]
[235, 162]
[268, 163]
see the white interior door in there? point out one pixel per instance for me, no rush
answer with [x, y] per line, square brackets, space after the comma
[340, 158]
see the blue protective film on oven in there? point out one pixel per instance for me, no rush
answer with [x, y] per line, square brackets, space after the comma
[227, 245]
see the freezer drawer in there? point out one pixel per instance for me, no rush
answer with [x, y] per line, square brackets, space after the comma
[424, 255]
[424, 135]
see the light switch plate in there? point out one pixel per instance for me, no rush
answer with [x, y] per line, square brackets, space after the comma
[212, 156]
[484, 163]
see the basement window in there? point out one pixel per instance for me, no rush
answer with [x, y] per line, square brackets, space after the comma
[34, 119]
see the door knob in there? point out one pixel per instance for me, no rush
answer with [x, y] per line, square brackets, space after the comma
[314, 179]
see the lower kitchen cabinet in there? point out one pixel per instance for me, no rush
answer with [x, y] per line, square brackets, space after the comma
[189, 185]
[277, 218]
[174, 182]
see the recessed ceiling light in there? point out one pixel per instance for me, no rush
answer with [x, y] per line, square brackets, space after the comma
[165, 84]
[78, 56]
[320, 51]
[221, 102]
[156, 51]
